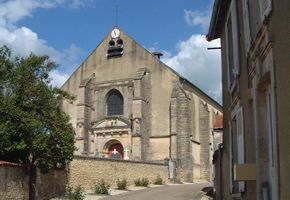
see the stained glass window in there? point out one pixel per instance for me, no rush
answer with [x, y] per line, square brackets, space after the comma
[114, 103]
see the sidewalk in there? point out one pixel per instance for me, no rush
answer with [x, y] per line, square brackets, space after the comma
[114, 191]
[89, 195]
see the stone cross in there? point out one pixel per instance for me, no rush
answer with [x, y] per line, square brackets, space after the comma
[126, 151]
[115, 151]
[117, 11]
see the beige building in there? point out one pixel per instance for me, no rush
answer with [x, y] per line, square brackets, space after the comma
[132, 106]
[255, 48]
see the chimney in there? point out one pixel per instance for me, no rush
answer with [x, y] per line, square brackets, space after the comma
[157, 54]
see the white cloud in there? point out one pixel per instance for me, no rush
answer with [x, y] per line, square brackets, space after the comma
[199, 65]
[198, 18]
[58, 78]
[72, 54]
[80, 3]
[23, 40]
[15, 10]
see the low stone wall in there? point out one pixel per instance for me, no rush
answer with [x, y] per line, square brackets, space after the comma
[52, 184]
[14, 180]
[86, 171]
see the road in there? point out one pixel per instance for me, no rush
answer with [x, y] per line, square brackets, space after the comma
[171, 192]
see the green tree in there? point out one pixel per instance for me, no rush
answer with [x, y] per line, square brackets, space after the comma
[33, 129]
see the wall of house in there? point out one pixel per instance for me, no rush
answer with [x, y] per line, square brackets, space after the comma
[279, 33]
[247, 102]
[264, 67]
[226, 103]
[86, 171]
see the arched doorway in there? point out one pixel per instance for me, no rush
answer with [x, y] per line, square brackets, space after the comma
[114, 149]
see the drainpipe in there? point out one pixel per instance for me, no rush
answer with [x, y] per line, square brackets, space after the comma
[220, 192]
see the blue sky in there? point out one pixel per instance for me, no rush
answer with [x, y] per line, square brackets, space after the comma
[68, 30]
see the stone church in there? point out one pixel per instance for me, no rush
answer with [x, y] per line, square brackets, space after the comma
[130, 105]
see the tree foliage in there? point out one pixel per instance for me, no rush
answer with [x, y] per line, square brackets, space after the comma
[33, 129]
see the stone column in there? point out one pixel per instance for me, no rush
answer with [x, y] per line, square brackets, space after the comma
[140, 113]
[181, 123]
[84, 116]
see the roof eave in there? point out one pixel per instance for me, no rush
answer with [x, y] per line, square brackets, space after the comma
[218, 14]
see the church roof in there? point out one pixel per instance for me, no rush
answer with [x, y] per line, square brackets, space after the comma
[218, 124]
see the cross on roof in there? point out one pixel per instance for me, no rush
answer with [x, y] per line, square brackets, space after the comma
[117, 11]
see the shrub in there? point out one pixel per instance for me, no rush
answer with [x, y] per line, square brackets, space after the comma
[102, 187]
[76, 194]
[145, 182]
[158, 180]
[122, 185]
[137, 182]
[142, 182]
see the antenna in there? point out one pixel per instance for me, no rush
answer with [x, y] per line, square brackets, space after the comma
[117, 11]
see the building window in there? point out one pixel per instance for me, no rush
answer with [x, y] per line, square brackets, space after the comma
[237, 153]
[233, 45]
[254, 18]
[230, 51]
[115, 103]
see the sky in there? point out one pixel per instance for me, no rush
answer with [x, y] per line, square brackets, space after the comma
[68, 30]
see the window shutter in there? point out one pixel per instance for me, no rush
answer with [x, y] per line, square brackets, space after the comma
[265, 8]
[236, 38]
[247, 31]
[240, 143]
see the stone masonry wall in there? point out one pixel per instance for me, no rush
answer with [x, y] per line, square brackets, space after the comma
[204, 132]
[183, 139]
[86, 171]
[14, 180]
[51, 184]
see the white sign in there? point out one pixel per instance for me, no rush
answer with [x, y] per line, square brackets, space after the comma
[171, 169]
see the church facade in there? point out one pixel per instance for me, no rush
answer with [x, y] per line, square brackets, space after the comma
[129, 105]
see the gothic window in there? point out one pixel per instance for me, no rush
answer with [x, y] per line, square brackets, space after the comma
[115, 103]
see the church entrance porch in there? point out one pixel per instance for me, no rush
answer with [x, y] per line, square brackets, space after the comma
[114, 149]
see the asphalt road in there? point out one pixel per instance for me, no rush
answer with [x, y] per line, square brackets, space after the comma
[171, 192]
